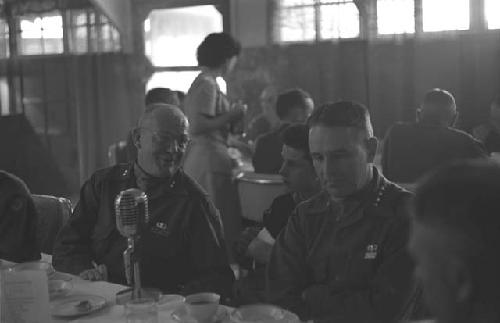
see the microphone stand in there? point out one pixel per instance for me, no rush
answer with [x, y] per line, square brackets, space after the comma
[132, 268]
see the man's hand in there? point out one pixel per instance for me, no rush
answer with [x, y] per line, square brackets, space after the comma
[99, 272]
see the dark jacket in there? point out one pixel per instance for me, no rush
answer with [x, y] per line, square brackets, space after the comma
[411, 150]
[267, 157]
[345, 262]
[183, 249]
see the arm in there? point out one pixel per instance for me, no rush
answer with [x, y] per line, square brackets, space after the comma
[208, 253]
[201, 110]
[286, 271]
[72, 252]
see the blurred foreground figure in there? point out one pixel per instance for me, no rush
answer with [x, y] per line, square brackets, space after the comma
[455, 242]
[343, 257]
[183, 249]
[18, 221]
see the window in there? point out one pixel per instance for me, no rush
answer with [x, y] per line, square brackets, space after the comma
[308, 20]
[90, 32]
[171, 38]
[40, 35]
[442, 15]
[492, 13]
[395, 17]
[4, 39]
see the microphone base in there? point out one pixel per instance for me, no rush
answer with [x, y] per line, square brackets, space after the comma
[126, 295]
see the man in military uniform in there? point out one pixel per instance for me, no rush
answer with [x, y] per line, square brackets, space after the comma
[342, 256]
[183, 250]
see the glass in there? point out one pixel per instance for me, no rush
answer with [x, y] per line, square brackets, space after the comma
[173, 35]
[492, 13]
[142, 310]
[339, 20]
[297, 24]
[41, 34]
[395, 17]
[441, 15]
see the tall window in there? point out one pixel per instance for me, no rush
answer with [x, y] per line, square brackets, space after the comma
[442, 15]
[395, 17]
[40, 35]
[4, 39]
[492, 13]
[171, 39]
[308, 20]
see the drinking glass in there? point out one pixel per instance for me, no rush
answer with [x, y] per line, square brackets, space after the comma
[141, 310]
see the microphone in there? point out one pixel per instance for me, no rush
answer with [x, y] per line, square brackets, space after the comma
[132, 214]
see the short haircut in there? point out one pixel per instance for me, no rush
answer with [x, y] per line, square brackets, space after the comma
[161, 95]
[216, 48]
[342, 114]
[438, 106]
[297, 137]
[290, 100]
[462, 199]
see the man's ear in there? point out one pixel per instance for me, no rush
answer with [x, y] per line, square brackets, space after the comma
[136, 137]
[371, 148]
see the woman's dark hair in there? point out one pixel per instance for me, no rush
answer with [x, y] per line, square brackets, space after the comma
[297, 136]
[216, 48]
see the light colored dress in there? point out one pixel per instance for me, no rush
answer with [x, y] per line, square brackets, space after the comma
[207, 159]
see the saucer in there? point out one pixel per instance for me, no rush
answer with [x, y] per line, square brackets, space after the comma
[80, 305]
[181, 315]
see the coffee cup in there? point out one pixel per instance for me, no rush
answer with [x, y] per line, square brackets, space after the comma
[202, 306]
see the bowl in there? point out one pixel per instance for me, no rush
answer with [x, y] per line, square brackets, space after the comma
[202, 306]
[170, 302]
[58, 288]
[35, 265]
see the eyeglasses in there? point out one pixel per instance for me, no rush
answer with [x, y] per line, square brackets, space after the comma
[168, 140]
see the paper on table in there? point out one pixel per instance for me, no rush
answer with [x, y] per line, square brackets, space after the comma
[25, 297]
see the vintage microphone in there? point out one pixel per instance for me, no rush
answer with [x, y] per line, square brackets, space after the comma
[131, 207]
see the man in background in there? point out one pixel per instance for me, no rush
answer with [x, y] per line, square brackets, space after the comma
[292, 106]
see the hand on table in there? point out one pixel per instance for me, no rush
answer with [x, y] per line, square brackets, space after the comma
[99, 272]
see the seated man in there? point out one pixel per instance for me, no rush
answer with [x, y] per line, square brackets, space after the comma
[267, 120]
[489, 133]
[18, 221]
[455, 242]
[342, 257]
[183, 247]
[410, 150]
[292, 106]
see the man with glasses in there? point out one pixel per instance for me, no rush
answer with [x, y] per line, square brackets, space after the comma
[183, 250]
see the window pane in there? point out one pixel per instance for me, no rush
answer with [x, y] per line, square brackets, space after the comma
[174, 34]
[395, 16]
[178, 81]
[440, 15]
[41, 34]
[297, 24]
[288, 3]
[339, 20]
[4, 39]
[492, 13]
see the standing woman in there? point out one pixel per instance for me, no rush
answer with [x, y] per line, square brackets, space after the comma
[211, 119]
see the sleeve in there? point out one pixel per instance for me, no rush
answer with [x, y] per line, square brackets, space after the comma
[287, 272]
[202, 99]
[390, 288]
[72, 249]
[208, 254]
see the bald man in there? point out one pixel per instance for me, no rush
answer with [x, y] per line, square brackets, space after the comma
[183, 249]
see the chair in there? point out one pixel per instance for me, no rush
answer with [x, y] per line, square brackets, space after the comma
[256, 192]
[53, 212]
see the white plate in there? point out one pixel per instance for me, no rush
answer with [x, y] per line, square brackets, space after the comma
[262, 313]
[68, 307]
[35, 265]
[180, 314]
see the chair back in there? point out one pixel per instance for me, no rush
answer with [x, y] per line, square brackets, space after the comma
[53, 212]
[256, 192]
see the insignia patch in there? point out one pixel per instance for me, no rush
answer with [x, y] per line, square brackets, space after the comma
[160, 228]
[371, 251]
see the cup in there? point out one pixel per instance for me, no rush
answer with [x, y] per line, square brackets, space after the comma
[170, 302]
[202, 306]
[141, 310]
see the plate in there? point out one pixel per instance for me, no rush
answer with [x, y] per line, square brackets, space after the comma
[58, 288]
[262, 313]
[35, 265]
[80, 305]
[181, 315]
